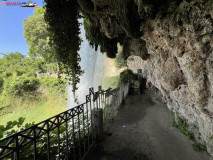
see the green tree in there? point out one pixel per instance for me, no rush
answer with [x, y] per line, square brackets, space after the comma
[17, 75]
[9, 61]
[37, 36]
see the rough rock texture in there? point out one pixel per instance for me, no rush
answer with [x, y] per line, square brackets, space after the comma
[175, 40]
[110, 26]
[135, 47]
[180, 64]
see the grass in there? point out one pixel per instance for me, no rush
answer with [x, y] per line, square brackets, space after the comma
[183, 126]
[34, 111]
[198, 146]
[111, 82]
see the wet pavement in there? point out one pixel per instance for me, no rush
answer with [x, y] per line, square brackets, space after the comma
[142, 130]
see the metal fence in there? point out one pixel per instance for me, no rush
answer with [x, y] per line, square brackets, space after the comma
[68, 135]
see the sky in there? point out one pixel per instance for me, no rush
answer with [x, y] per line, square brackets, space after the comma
[11, 26]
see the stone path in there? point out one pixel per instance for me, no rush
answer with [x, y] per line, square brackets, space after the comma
[142, 131]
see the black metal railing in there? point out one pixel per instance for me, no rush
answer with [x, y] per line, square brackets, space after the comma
[68, 135]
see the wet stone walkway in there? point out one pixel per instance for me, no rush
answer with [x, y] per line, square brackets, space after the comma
[142, 130]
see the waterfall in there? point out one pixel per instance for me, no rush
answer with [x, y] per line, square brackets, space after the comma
[92, 62]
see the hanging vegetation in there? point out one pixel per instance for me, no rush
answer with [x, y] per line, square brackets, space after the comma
[63, 25]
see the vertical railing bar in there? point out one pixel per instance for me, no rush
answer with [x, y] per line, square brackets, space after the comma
[94, 106]
[34, 143]
[111, 103]
[113, 100]
[58, 132]
[105, 104]
[79, 136]
[97, 102]
[84, 131]
[94, 131]
[67, 140]
[108, 108]
[99, 97]
[114, 103]
[88, 124]
[104, 107]
[73, 129]
[48, 141]
[17, 155]
[111, 106]
[103, 110]
[119, 100]
[102, 100]
[91, 107]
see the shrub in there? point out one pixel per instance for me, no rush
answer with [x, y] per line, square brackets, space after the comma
[183, 126]
[198, 146]
[119, 61]
[21, 86]
[54, 85]
[127, 75]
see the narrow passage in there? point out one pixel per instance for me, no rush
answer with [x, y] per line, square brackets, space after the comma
[142, 130]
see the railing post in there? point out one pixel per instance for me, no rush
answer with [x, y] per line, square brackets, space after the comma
[97, 123]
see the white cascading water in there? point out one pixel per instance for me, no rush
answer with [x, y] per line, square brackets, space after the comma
[92, 62]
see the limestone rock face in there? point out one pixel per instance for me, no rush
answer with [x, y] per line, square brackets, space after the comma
[110, 26]
[180, 63]
[135, 47]
[175, 41]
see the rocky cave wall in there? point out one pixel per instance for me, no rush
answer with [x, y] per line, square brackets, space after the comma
[180, 64]
[175, 53]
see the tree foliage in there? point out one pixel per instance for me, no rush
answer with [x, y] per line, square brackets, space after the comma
[127, 75]
[63, 25]
[8, 128]
[119, 61]
[18, 75]
[37, 36]
[21, 86]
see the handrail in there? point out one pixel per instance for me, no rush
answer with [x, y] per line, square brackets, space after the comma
[67, 135]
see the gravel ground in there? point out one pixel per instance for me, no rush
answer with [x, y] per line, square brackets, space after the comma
[142, 130]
